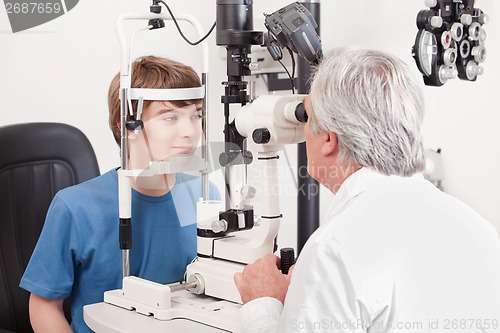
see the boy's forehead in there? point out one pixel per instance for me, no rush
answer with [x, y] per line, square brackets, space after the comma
[156, 108]
[176, 104]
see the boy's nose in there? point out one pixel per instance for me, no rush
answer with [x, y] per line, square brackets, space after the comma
[190, 128]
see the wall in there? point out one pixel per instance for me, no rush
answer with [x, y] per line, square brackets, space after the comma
[60, 72]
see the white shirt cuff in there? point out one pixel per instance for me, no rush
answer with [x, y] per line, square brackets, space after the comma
[261, 315]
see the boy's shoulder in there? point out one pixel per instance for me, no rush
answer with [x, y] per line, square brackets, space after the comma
[99, 184]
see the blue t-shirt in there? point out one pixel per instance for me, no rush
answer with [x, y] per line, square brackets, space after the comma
[78, 252]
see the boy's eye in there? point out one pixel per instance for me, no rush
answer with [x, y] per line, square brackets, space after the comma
[169, 118]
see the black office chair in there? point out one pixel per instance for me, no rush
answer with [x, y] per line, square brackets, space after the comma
[36, 161]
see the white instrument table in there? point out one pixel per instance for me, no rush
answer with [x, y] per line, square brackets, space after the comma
[107, 318]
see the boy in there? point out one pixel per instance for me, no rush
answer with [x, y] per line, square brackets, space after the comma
[78, 253]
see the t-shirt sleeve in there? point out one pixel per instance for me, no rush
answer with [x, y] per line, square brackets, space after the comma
[50, 271]
[261, 315]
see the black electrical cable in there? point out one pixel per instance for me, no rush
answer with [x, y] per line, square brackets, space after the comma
[277, 55]
[293, 61]
[288, 73]
[179, 28]
[293, 68]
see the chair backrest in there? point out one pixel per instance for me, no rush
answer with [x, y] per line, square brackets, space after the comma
[36, 161]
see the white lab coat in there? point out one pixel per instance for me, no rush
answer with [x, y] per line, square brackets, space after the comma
[394, 254]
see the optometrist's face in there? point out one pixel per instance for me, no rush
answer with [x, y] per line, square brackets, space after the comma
[312, 142]
[168, 131]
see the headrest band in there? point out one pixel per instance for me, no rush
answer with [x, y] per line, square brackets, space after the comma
[176, 94]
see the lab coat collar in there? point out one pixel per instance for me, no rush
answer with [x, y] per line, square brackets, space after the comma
[351, 187]
[354, 185]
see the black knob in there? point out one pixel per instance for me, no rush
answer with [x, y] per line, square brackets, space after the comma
[287, 255]
[155, 8]
[134, 125]
[300, 113]
[261, 135]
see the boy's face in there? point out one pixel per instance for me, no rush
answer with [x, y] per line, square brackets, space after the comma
[168, 131]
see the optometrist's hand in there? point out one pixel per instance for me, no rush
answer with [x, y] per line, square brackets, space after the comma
[263, 278]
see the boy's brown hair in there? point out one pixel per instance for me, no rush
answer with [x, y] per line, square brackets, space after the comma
[154, 73]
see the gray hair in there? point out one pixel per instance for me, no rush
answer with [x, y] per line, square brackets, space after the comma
[371, 100]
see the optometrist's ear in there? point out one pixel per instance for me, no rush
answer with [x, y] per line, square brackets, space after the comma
[330, 143]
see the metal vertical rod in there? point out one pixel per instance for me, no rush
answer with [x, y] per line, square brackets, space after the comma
[124, 166]
[307, 200]
[123, 129]
[204, 144]
[125, 263]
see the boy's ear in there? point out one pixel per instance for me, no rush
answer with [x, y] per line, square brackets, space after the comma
[329, 144]
[131, 134]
